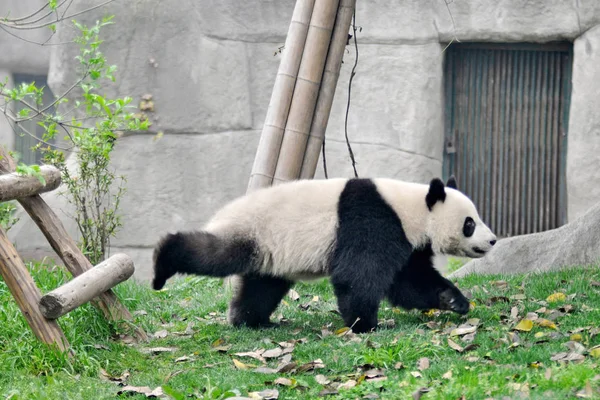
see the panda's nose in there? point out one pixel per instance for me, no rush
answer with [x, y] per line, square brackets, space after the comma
[493, 242]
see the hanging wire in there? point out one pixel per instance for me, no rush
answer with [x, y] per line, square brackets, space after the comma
[354, 29]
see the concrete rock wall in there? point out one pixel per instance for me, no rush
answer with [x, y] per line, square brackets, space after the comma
[583, 152]
[210, 67]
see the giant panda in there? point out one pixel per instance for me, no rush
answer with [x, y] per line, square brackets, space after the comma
[375, 239]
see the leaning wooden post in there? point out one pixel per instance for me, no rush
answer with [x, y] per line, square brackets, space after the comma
[27, 295]
[66, 248]
[269, 145]
[329, 81]
[300, 117]
[86, 286]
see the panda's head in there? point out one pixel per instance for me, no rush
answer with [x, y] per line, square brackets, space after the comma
[454, 226]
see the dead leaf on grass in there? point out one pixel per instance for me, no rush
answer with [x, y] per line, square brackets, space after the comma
[117, 379]
[586, 392]
[566, 357]
[267, 394]
[272, 353]
[519, 296]
[595, 351]
[318, 363]
[555, 297]
[423, 364]
[463, 330]
[158, 350]
[161, 334]
[416, 374]
[524, 325]
[145, 390]
[546, 323]
[455, 345]
[293, 295]
[447, 375]
[240, 365]
[322, 379]
[420, 392]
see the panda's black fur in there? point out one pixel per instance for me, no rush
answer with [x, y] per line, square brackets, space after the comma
[371, 260]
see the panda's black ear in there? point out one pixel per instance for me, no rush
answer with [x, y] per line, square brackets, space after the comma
[451, 182]
[436, 193]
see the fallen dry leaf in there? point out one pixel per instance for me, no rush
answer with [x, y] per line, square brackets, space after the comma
[348, 384]
[447, 375]
[455, 345]
[554, 297]
[416, 374]
[257, 355]
[327, 392]
[463, 330]
[145, 390]
[545, 323]
[283, 382]
[267, 394]
[595, 351]
[182, 359]
[117, 379]
[322, 379]
[272, 353]
[420, 392]
[293, 295]
[423, 364]
[158, 350]
[265, 370]
[161, 334]
[519, 296]
[565, 357]
[240, 365]
[318, 363]
[586, 392]
[524, 325]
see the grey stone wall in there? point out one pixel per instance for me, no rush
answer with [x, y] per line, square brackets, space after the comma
[210, 67]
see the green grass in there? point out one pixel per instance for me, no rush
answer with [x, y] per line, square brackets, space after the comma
[197, 306]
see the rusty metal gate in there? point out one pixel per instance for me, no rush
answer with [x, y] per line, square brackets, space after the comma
[506, 127]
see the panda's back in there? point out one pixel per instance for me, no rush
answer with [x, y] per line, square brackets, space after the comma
[293, 225]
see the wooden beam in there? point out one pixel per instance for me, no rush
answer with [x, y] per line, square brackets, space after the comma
[66, 248]
[302, 108]
[27, 295]
[339, 39]
[14, 185]
[86, 286]
[269, 145]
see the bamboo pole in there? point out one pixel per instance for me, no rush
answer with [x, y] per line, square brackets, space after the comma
[305, 95]
[271, 137]
[331, 74]
[86, 286]
[66, 248]
[27, 295]
[14, 185]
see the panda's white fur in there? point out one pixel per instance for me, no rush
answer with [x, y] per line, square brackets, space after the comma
[275, 236]
[289, 218]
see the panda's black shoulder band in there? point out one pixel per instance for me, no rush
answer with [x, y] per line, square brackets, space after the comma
[436, 193]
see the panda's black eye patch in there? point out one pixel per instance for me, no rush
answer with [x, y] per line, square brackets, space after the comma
[469, 227]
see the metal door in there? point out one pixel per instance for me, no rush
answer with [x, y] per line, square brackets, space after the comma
[506, 128]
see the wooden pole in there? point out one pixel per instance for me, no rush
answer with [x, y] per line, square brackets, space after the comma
[331, 74]
[27, 295]
[271, 137]
[86, 286]
[14, 186]
[66, 248]
[304, 100]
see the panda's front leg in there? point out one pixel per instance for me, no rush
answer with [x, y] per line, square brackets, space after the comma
[360, 282]
[418, 285]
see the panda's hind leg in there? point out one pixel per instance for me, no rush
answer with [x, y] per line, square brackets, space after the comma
[418, 285]
[256, 297]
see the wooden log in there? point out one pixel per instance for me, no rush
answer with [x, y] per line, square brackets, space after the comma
[27, 295]
[66, 248]
[86, 286]
[14, 186]
[269, 145]
[331, 74]
[305, 95]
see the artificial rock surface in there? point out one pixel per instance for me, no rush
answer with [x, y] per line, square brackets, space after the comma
[573, 244]
[210, 65]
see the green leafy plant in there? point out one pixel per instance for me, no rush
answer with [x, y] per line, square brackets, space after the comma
[90, 126]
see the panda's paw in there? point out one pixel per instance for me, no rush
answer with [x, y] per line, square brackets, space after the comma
[453, 300]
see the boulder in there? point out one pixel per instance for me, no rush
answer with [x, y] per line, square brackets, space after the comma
[574, 244]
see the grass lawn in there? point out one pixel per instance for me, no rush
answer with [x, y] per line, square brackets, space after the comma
[194, 354]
